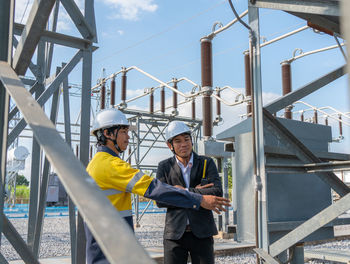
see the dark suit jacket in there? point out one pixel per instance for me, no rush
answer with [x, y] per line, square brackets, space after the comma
[201, 221]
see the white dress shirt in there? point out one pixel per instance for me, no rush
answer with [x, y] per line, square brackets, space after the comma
[186, 171]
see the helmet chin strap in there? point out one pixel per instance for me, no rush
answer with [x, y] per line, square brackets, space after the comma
[116, 144]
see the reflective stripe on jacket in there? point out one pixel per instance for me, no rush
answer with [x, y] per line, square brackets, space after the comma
[117, 179]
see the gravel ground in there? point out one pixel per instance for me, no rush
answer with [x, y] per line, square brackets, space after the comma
[56, 240]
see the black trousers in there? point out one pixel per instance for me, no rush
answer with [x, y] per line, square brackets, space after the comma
[201, 250]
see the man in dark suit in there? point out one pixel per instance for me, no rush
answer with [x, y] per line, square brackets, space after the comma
[186, 230]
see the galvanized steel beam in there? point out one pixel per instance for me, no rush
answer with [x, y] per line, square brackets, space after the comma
[38, 17]
[4, 100]
[320, 7]
[59, 38]
[68, 138]
[79, 20]
[90, 17]
[309, 168]
[78, 184]
[51, 45]
[32, 67]
[36, 156]
[45, 179]
[309, 88]
[258, 129]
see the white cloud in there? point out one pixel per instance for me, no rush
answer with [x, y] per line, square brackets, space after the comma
[131, 9]
[133, 93]
[120, 32]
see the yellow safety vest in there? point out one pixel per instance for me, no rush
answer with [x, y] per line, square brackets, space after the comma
[118, 180]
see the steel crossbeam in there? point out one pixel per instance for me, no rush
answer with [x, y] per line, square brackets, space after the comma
[78, 184]
[31, 34]
[58, 38]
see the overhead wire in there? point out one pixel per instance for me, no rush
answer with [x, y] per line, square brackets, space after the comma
[161, 32]
[230, 49]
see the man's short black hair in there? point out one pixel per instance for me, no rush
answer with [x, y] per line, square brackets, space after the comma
[101, 139]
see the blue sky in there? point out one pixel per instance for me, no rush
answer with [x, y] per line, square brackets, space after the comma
[163, 39]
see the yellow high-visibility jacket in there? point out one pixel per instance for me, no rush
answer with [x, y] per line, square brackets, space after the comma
[118, 180]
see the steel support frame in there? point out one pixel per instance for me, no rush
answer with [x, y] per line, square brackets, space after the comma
[263, 238]
[333, 211]
[5, 16]
[44, 181]
[38, 17]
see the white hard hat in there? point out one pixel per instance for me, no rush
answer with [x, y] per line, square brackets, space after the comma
[109, 118]
[176, 128]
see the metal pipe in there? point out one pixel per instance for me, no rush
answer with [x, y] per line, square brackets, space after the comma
[340, 126]
[162, 100]
[113, 92]
[103, 97]
[207, 85]
[326, 121]
[213, 34]
[218, 104]
[283, 36]
[248, 86]
[193, 108]
[175, 97]
[322, 112]
[123, 90]
[151, 103]
[315, 118]
[313, 52]
[286, 86]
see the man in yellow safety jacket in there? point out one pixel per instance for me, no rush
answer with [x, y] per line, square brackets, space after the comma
[118, 179]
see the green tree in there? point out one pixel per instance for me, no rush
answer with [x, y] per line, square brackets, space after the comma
[21, 180]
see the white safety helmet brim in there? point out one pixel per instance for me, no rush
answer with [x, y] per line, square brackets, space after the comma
[109, 118]
[176, 128]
